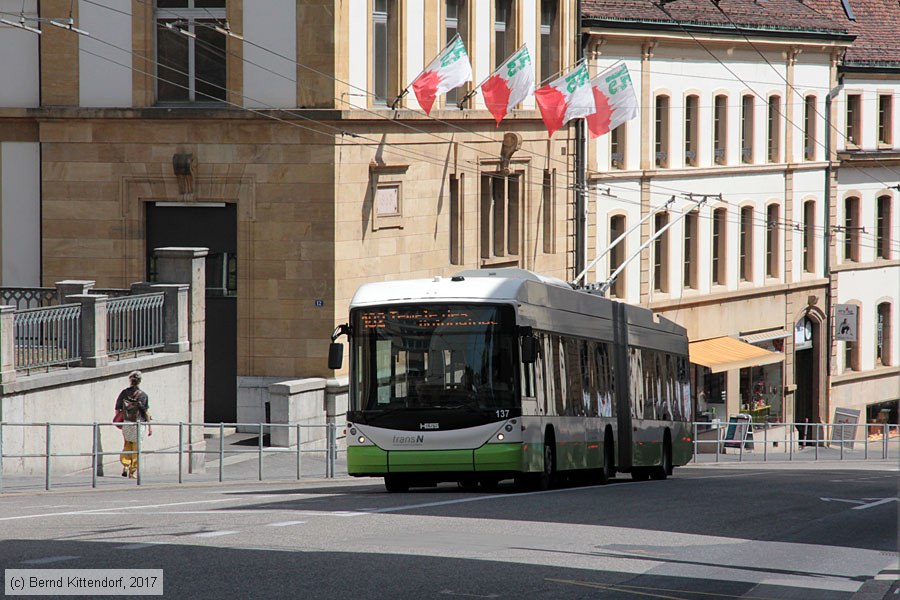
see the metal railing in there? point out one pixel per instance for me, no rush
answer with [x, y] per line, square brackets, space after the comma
[28, 297]
[86, 455]
[795, 441]
[45, 337]
[135, 323]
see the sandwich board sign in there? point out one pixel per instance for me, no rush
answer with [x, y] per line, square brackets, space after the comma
[739, 431]
[845, 425]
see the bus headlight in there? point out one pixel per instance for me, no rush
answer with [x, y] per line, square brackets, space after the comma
[500, 436]
[361, 439]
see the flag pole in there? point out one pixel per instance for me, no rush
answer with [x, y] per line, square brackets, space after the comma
[405, 90]
[580, 159]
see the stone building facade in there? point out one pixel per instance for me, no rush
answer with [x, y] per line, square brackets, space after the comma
[271, 139]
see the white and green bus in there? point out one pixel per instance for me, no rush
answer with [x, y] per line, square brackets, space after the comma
[506, 374]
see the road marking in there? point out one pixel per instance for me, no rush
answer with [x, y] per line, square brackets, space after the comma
[841, 500]
[107, 510]
[285, 523]
[461, 595]
[208, 534]
[140, 546]
[48, 560]
[871, 504]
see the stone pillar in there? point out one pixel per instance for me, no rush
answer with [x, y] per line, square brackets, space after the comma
[93, 329]
[188, 266]
[175, 312]
[7, 345]
[303, 402]
[71, 287]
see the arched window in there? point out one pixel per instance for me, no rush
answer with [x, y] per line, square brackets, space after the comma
[746, 243]
[719, 245]
[661, 143]
[661, 253]
[747, 103]
[883, 334]
[883, 228]
[774, 129]
[809, 128]
[809, 230]
[720, 129]
[692, 130]
[690, 258]
[617, 254]
[773, 239]
[851, 229]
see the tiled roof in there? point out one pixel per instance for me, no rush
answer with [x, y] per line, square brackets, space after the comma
[877, 29]
[766, 15]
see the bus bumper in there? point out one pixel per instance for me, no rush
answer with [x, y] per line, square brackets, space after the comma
[371, 460]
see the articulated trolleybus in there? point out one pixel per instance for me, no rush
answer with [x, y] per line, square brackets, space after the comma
[499, 374]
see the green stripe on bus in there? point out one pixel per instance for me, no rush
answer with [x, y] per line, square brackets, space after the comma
[366, 459]
[428, 461]
[499, 457]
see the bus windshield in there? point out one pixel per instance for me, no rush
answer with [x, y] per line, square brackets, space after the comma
[433, 357]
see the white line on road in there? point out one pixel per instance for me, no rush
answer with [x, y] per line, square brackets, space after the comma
[140, 546]
[871, 504]
[285, 523]
[107, 510]
[207, 534]
[48, 560]
[841, 500]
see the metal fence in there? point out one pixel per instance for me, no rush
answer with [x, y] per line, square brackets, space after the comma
[135, 323]
[45, 337]
[49, 445]
[28, 297]
[747, 441]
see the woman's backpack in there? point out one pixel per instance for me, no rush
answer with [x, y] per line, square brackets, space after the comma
[132, 408]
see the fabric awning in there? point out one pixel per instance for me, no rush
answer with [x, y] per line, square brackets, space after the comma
[765, 336]
[725, 353]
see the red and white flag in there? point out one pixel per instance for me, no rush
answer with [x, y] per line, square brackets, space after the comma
[512, 82]
[615, 99]
[566, 98]
[448, 71]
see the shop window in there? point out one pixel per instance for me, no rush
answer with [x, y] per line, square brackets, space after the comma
[761, 392]
[617, 255]
[774, 129]
[385, 52]
[549, 39]
[885, 119]
[809, 128]
[617, 138]
[719, 245]
[809, 230]
[720, 129]
[190, 52]
[883, 334]
[690, 258]
[501, 202]
[662, 131]
[709, 390]
[504, 31]
[851, 229]
[661, 254]
[883, 220]
[773, 238]
[854, 119]
[691, 130]
[747, 103]
[746, 244]
[882, 418]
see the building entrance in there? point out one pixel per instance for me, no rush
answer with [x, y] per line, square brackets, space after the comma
[806, 376]
[213, 226]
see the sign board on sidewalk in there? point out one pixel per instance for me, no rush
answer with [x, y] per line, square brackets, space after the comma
[842, 431]
[845, 322]
[739, 431]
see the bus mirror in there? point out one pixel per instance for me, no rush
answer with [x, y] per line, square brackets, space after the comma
[529, 349]
[335, 355]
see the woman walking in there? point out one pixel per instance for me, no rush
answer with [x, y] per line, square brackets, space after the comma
[134, 405]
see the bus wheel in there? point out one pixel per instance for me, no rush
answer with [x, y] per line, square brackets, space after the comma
[396, 483]
[546, 477]
[468, 485]
[665, 467]
[609, 460]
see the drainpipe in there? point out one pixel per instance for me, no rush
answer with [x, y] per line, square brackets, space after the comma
[829, 335]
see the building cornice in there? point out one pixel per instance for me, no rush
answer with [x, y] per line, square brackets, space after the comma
[865, 266]
[702, 299]
[856, 376]
[713, 33]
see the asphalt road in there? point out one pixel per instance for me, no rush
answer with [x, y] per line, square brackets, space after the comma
[709, 532]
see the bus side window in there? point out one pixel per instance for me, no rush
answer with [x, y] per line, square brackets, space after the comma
[559, 374]
[527, 374]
